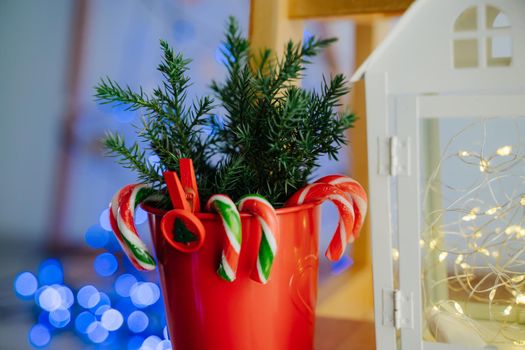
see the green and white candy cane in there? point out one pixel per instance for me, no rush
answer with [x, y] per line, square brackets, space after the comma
[231, 221]
[122, 219]
[258, 206]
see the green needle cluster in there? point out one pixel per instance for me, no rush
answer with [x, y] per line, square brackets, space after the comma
[271, 133]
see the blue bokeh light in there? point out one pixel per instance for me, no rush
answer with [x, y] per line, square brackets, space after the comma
[83, 321]
[151, 343]
[144, 294]
[88, 297]
[59, 318]
[163, 345]
[25, 285]
[104, 220]
[96, 236]
[49, 299]
[342, 265]
[105, 264]
[124, 283]
[183, 30]
[50, 272]
[138, 321]
[99, 311]
[39, 336]
[67, 298]
[97, 333]
[222, 53]
[112, 319]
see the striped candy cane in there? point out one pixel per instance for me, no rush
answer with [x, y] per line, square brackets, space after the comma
[319, 192]
[258, 206]
[354, 190]
[231, 221]
[121, 217]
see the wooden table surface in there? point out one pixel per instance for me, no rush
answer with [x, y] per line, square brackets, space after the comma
[340, 334]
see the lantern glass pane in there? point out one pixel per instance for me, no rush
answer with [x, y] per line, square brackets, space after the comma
[473, 230]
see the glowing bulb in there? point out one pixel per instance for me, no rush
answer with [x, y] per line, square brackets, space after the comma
[507, 310]
[520, 299]
[421, 243]
[459, 259]
[483, 165]
[395, 254]
[492, 294]
[469, 217]
[495, 254]
[492, 211]
[464, 154]
[458, 308]
[518, 279]
[522, 201]
[477, 235]
[464, 265]
[442, 256]
[484, 251]
[513, 229]
[504, 151]
[432, 244]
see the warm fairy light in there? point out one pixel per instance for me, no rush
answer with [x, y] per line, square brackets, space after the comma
[504, 151]
[520, 298]
[518, 279]
[421, 243]
[507, 310]
[469, 217]
[395, 254]
[492, 211]
[492, 294]
[513, 229]
[483, 165]
[484, 251]
[458, 308]
[492, 233]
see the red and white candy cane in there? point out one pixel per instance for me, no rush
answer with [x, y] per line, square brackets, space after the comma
[121, 217]
[319, 192]
[258, 206]
[231, 221]
[354, 190]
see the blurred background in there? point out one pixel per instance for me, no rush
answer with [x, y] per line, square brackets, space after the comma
[64, 283]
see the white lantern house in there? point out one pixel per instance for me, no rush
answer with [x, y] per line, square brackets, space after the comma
[445, 98]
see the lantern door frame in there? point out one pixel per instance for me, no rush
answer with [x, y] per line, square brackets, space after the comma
[398, 118]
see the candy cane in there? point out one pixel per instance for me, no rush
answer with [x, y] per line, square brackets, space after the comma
[354, 190]
[319, 192]
[231, 221]
[265, 213]
[122, 216]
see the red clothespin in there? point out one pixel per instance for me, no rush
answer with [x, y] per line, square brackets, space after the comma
[180, 227]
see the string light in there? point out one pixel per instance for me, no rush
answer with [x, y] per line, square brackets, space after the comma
[504, 151]
[485, 245]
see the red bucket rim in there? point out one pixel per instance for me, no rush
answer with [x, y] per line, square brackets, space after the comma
[213, 216]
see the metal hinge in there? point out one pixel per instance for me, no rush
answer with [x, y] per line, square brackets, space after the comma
[394, 156]
[398, 309]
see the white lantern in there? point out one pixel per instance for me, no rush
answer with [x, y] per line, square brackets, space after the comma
[445, 97]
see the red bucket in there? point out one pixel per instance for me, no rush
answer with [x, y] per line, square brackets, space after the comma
[207, 312]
